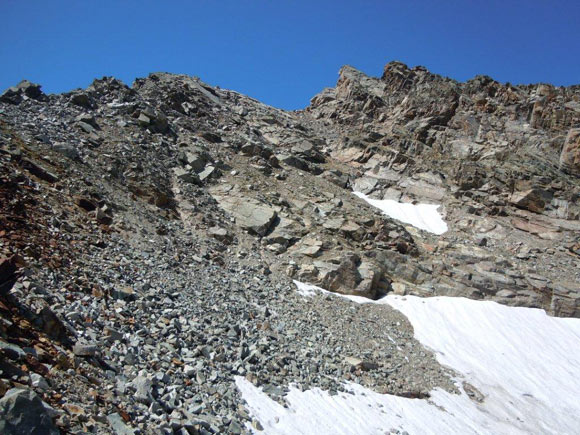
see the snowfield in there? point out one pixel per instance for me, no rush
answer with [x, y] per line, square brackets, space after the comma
[524, 363]
[422, 216]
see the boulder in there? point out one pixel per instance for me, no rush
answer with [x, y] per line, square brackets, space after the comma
[185, 175]
[118, 425]
[197, 160]
[255, 149]
[295, 162]
[67, 150]
[207, 173]
[219, 233]
[286, 233]
[250, 214]
[144, 389]
[23, 412]
[83, 100]
[566, 299]
[533, 199]
[351, 276]
[308, 151]
[211, 137]
[154, 121]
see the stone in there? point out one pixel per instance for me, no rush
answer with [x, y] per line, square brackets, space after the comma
[543, 231]
[85, 349]
[82, 99]
[290, 160]
[211, 137]
[39, 171]
[87, 119]
[143, 120]
[118, 425]
[186, 176]
[37, 381]
[125, 293]
[207, 173]
[23, 412]
[250, 214]
[53, 326]
[219, 233]
[308, 151]
[144, 388]
[333, 224]
[155, 121]
[112, 334]
[197, 160]
[365, 185]
[351, 276]
[67, 150]
[12, 351]
[103, 217]
[533, 199]
[189, 371]
[311, 251]
[356, 363]
[87, 128]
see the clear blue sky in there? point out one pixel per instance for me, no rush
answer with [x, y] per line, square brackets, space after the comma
[283, 52]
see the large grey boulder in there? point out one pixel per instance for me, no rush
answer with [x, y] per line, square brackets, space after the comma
[23, 412]
[351, 276]
[250, 214]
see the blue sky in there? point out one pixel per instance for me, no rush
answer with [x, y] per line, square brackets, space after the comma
[284, 52]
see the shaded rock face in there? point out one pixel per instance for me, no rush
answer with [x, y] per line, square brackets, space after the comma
[23, 412]
[482, 148]
[352, 276]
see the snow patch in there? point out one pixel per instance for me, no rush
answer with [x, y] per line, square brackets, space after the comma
[523, 361]
[364, 412]
[422, 216]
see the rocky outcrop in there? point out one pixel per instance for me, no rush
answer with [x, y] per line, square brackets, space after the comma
[24, 90]
[570, 156]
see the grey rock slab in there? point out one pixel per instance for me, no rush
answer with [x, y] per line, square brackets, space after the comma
[185, 175]
[23, 412]
[85, 349]
[143, 389]
[38, 381]
[118, 425]
[250, 214]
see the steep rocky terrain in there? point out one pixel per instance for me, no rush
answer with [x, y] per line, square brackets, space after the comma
[150, 235]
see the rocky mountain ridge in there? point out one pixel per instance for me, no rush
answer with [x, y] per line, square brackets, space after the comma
[150, 236]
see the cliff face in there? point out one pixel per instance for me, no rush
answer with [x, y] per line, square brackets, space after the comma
[501, 158]
[198, 206]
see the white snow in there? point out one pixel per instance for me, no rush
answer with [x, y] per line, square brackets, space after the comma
[423, 216]
[524, 362]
